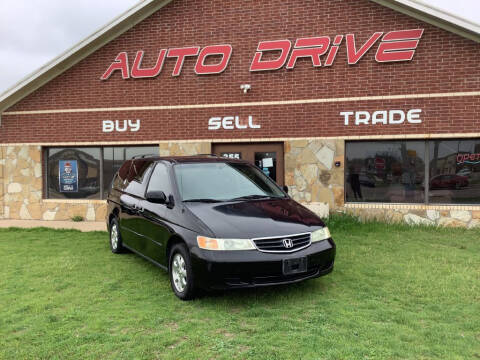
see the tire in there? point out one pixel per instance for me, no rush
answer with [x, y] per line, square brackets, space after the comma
[116, 244]
[180, 272]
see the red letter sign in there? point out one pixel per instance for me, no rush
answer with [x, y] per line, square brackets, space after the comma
[259, 65]
[120, 63]
[309, 47]
[333, 50]
[180, 54]
[224, 50]
[398, 45]
[352, 54]
[138, 73]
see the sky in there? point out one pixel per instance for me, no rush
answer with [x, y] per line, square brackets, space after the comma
[34, 32]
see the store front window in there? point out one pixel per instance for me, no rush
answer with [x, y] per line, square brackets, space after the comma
[427, 172]
[454, 171]
[390, 172]
[86, 172]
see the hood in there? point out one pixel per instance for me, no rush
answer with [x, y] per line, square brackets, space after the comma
[256, 218]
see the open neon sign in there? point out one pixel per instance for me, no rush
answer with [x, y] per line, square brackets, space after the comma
[468, 159]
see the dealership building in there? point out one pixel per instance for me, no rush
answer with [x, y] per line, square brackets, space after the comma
[369, 107]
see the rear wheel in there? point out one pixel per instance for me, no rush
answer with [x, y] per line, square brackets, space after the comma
[180, 271]
[116, 244]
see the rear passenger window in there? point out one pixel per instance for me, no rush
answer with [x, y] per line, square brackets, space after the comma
[120, 180]
[139, 170]
[123, 171]
[138, 176]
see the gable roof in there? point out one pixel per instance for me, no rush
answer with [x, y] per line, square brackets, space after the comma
[80, 51]
[414, 8]
[420, 10]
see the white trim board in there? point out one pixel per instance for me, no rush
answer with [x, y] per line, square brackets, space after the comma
[247, 104]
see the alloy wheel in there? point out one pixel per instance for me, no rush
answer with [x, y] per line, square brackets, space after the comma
[179, 272]
[114, 237]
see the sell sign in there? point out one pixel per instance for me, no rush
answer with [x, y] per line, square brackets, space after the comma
[68, 175]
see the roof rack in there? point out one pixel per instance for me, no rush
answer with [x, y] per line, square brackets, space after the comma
[144, 156]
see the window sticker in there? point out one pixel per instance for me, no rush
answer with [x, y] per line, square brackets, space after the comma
[68, 175]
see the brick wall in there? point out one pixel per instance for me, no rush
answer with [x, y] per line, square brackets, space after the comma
[443, 62]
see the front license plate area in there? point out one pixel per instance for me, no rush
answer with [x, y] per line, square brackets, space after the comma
[294, 266]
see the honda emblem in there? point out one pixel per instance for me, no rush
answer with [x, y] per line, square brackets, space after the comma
[288, 243]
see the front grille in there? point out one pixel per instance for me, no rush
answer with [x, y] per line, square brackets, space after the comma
[269, 279]
[276, 244]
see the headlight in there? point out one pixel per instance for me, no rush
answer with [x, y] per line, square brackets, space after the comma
[224, 244]
[321, 234]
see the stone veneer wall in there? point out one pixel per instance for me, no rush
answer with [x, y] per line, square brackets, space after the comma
[22, 189]
[311, 175]
[454, 216]
[21, 185]
[314, 180]
[2, 182]
[185, 148]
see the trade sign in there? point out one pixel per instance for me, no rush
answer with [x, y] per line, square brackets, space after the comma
[385, 117]
[393, 46]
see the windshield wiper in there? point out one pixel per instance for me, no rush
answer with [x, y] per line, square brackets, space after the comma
[255, 197]
[203, 200]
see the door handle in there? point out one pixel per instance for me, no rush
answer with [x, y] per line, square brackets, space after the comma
[138, 208]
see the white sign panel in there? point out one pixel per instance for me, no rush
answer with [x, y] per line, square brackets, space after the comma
[232, 123]
[384, 117]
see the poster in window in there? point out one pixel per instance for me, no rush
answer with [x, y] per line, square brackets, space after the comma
[68, 175]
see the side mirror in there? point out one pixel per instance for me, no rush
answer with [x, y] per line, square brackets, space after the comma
[285, 188]
[156, 197]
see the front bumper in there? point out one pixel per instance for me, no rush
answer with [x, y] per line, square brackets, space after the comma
[253, 268]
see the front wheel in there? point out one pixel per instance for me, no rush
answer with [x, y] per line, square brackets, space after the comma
[116, 244]
[180, 271]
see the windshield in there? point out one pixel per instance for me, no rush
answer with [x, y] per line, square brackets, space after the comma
[223, 181]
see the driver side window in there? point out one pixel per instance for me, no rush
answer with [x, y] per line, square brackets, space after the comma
[160, 180]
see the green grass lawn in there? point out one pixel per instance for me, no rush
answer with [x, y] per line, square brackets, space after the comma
[395, 293]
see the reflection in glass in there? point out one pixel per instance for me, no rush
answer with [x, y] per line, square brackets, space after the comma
[382, 171]
[88, 162]
[223, 181]
[454, 171]
[114, 157]
[267, 161]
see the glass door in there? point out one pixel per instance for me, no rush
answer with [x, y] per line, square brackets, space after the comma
[267, 156]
